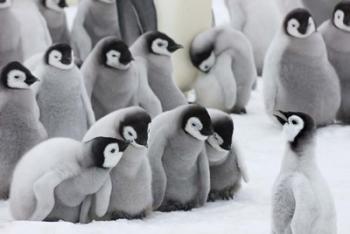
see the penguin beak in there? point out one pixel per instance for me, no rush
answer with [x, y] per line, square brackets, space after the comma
[207, 131]
[281, 117]
[31, 80]
[174, 47]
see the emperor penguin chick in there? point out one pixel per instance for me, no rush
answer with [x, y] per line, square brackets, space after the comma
[35, 191]
[65, 109]
[336, 33]
[55, 16]
[115, 81]
[10, 38]
[298, 75]
[94, 20]
[302, 201]
[180, 168]
[227, 167]
[20, 128]
[155, 50]
[226, 61]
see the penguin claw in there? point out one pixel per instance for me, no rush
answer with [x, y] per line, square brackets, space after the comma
[226, 194]
[122, 215]
[177, 206]
[239, 110]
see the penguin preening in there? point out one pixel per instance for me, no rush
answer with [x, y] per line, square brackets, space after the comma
[35, 188]
[225, 58]
[298, 76]
[94, 20]
[61, 95]
[176, 147]
[155, 49]
[115, 80]
[336, 33]
[20, 128]
[302, 201]
[55, 16]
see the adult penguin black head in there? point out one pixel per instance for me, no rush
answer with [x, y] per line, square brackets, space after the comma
[299, 24]
[116, 54]
[197, 123]
[341, 16]
[161, 44]
[60, 56]
[134, 128]
[223, 132]
[15, 76]
[299, 128]
[203, 60]
[56, 5]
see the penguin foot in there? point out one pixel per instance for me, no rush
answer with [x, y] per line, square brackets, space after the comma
[170, 206]
[239, 110]
[225, 194]
[123, 215]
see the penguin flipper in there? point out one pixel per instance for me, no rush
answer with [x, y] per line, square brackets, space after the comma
[85, 210]
[88, 107]
[237, 14]
[204, 178]
[235, 152]
[102, 198]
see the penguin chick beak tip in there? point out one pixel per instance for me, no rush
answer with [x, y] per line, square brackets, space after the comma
[281, 117]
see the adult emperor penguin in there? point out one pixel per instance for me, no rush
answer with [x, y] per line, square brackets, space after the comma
[136, 17]
[65, 109]
[55, 16]
[115, 81]
[94, 20]
[298, 76]
[225, 58]
[227, 167]
[155, 50]
[35, 188]
[35, 39]
[180, 169]
[302, 201]
[259, 21]
[178, 20]
[131, 179]
[336, 33]
[10, 38]
[20, 128]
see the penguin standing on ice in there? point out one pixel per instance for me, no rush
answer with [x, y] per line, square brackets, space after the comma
[298, 75]
[302, 201]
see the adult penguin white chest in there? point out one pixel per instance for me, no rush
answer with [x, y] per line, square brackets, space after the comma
[180, 169]
[94, 20]
[20, 127]
[55, 16]
[65, 109]
[301, 200]
[225, 60]
[336, 33]
[114, 80]
[10, 37]
[177, 19]
[298, 74]
[155, 50]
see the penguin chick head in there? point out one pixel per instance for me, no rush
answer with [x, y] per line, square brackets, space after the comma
[299, 23]
[161, 44]
[5, 4]
[15, 76]
[60, 56]
[55, 5]
[107, 152]
[134, 128]
[341, 16]
[298, 127]
[197, 123]
[116, 54]
[221, 140]
[204, 60]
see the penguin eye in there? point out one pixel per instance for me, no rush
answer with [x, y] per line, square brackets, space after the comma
[16, 77]
[160, 44]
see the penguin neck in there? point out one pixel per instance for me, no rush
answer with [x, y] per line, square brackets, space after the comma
[338, 40]
[131, 161]
[215, 156]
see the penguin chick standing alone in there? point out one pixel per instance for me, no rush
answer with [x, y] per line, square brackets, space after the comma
[35, 190]
[155, 49]
[227, 167]
[53, 12]
[65, 109]
[180, 169]
[302, 202]
[226, 58]
[114, 81]
[336, 33]
[20, 128]
[10, 36]
[298, 76]
[94, 20]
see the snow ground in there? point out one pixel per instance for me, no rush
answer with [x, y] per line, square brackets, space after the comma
[249, 213]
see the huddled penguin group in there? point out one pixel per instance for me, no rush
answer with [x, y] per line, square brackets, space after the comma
[94, 124]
